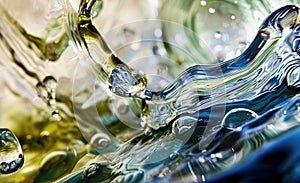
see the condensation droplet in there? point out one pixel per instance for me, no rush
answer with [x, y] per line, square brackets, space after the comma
[11, 154]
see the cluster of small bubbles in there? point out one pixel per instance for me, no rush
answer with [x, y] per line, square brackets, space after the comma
[46, 90]
[11, 154]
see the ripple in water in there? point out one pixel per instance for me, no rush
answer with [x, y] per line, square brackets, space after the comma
[223, 121]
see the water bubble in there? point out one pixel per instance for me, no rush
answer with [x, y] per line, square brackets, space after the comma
[42, 91]
[158, 32]
[211, 10]
[50, 83]
[55, 116]
[265, 34]
[52, 103]
[174, 155]
[183, 125]
[237, 117]
[149, 132]
[100, 140]
[203, 3]
[232, 17]
[11, 154]
[91, 170]
[218, 35]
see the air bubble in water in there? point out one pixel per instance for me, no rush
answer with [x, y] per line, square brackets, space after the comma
[11, 154]
[211, 10]
[218, 35]
[55, 116]
[237, 117]
[148, 132]
[183, 125]
[203, 3]
[42, 91]
[174, 155]
[50, 83]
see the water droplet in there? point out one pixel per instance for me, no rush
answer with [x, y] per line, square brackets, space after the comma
[174, 155]
[218, 35]
[237, 117]
[183, 125]
[91, 170]
[42, 91]
[203, 3]
[232, 17]
[123, 108]
[157, 32]
[211, 10]
[52, 103]
[55, 116]
[149, 132]
[50, 83]
[126, 82]
[100, 140]
[11, 154]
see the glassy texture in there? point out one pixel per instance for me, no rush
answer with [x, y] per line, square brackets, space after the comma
[150, 91]
[12, 157]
